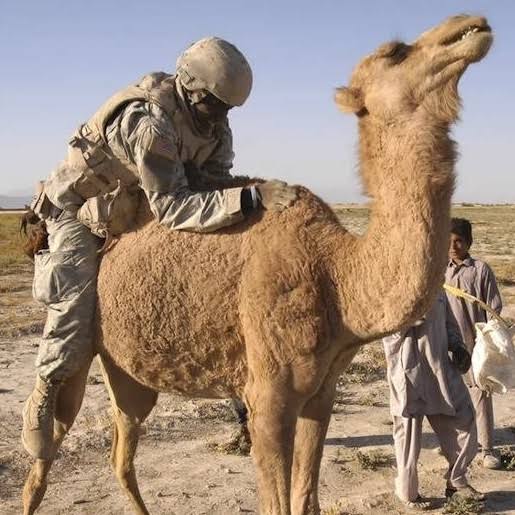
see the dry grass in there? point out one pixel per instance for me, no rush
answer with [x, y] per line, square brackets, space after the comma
[508, 457]
[19, 313]
[374, 459]
[461, 506]
[368, 366]
[11, 255]
[350, 460]
[336, 509]
[239, 443]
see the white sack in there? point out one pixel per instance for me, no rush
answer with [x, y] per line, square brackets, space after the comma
[493, 358]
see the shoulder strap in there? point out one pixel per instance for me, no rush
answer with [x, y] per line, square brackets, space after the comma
[156, 87]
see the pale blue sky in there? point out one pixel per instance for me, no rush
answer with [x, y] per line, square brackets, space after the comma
[61, 59]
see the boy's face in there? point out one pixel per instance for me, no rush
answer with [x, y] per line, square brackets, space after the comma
[458, 248]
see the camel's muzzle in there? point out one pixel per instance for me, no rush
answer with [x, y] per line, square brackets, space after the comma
[465, 33]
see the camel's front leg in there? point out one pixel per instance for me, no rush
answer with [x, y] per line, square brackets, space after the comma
[309, 446]
[69, 401]
[272, 417]
[309, 439]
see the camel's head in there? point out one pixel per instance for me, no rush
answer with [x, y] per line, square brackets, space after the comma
[399, 79]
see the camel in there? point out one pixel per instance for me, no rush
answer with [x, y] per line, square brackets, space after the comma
[275, 308]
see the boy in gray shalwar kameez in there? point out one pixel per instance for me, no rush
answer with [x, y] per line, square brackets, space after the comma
[477, 278]
[424, 381]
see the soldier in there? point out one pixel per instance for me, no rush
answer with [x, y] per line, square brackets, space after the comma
[144, 138]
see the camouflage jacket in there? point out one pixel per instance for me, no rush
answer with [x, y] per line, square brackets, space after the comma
[154, 142]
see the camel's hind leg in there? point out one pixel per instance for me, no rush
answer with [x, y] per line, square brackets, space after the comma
[68, 405]
[132, 402]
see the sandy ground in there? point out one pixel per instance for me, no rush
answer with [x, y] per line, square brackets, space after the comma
[181, 473]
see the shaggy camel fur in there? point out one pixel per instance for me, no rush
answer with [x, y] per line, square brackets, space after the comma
[275, 308]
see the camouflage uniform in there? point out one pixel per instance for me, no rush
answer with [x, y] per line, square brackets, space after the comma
[159, 148]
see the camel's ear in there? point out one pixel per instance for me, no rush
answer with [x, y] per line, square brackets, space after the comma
[349, 100]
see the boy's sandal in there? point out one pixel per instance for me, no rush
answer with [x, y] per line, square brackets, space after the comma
[420, 503]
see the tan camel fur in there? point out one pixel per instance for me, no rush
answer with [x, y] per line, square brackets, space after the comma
[274, 309]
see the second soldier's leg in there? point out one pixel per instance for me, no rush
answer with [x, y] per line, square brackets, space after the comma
[240, 410]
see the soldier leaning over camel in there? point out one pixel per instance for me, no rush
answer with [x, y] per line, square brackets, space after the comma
[149, 137]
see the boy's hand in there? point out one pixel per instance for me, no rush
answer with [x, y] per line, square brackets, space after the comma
[461, 359]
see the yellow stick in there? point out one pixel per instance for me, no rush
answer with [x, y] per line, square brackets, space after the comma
[457, 292]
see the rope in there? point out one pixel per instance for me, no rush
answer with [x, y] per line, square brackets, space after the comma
[458, 292]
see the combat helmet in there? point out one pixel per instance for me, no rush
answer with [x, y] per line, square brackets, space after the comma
[215, 65]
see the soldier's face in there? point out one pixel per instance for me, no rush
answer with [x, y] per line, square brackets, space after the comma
[211, 109]
[458, 247]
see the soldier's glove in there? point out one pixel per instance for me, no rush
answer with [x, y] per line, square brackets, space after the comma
[461, 359]
[276, 195]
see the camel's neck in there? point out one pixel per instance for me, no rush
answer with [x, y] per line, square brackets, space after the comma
[388, 277]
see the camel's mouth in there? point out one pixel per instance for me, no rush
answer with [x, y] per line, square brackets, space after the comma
[466, 33]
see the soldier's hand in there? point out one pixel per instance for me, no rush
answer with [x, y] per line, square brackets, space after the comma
[461, 359]
[276, 195]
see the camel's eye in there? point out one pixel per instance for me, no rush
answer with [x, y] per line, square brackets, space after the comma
[395, 51]
[398, 52]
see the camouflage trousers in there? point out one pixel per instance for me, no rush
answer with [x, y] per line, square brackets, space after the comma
[65, 279]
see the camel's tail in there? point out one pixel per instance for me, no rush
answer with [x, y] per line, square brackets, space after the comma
[36, 235]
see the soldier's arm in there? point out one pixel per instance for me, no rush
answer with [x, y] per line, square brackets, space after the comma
[215, 172]
[151, 145]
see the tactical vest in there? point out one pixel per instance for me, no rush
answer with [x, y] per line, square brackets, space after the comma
[101, 171]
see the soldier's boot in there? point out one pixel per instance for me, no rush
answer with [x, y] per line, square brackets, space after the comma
[38, 419]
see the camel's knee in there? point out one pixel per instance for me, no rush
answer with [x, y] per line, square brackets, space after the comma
[114, 444]
[125, 473]
[123, 468]
[125, 442]
[35, 483]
